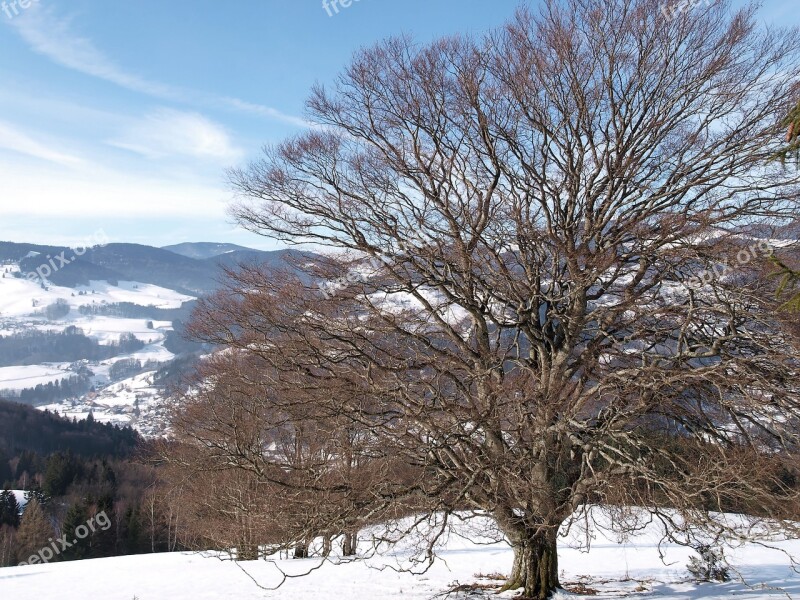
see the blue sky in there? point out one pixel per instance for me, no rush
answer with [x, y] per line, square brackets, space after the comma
[122, 116]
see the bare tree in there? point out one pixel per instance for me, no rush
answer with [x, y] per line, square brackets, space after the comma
[7, 545]
[277, 467]
[530, 218]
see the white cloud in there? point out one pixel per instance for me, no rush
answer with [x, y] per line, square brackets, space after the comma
[53, 37]
[17, 141]
[167, 132]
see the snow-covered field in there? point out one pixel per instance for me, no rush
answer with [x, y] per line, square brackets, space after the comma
[108, 329]
[610, 569]
[18, 295]
[143, 294]
[20, 495]
[19, 378]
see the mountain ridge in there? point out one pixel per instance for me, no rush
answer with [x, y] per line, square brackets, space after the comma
[116, 262]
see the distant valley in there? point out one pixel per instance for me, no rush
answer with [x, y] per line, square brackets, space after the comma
[100, 330]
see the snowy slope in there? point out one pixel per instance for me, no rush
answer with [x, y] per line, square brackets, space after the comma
[613, 569]
[133, 401]
[19, 378]
[17, 296]
[20, 495]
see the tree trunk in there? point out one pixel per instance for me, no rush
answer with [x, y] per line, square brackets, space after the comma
[349, 544]
[301, 551]
[247, 551]
[535, 565]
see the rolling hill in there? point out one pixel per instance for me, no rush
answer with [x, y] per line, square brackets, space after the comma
[196, 271]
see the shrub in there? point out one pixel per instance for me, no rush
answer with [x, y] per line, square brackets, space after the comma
[710, 565]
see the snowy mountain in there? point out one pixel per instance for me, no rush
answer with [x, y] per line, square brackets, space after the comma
[69, 267]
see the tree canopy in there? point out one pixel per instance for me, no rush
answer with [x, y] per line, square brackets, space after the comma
[524, 318]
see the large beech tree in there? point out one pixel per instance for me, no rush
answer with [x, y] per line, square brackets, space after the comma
[523, 309]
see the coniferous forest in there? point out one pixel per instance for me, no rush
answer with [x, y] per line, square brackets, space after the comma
[71, 472]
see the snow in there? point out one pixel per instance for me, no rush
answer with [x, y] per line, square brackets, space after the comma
[20, 495]
[108, 329]
[143, 294]
[132, 402]
[612, 567]
[17, 295]
[19, 378]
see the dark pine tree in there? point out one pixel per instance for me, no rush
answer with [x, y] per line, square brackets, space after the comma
[9, 509]
[74, 526]
[6, 474]
[62, 470]
[132, 535]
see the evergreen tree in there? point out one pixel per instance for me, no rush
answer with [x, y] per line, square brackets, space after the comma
[792, 148]
[36, 493]
[6, 474]
[108, 476]
[27, 464]
[790, 281]
[9, 509]
[74, 524]
[104, 543]
[62, 470]
[790, 278]
[133, 534]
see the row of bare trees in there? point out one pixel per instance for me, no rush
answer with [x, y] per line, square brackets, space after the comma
[278, 468]
[525, 211]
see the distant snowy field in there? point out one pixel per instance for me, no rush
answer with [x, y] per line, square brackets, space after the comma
[17, 295]
[20, 495]
[19, 378]
[611, 568]
[108, 329]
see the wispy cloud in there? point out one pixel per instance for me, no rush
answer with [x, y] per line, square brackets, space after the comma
[168, 132]
[53, 36]
[11, 138]
[265, 111]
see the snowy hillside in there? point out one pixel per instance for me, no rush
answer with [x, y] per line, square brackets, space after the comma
[20, 296]
[128, 400]
[18, 378]
[610, 570]
[20, 496]
[133, 401]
